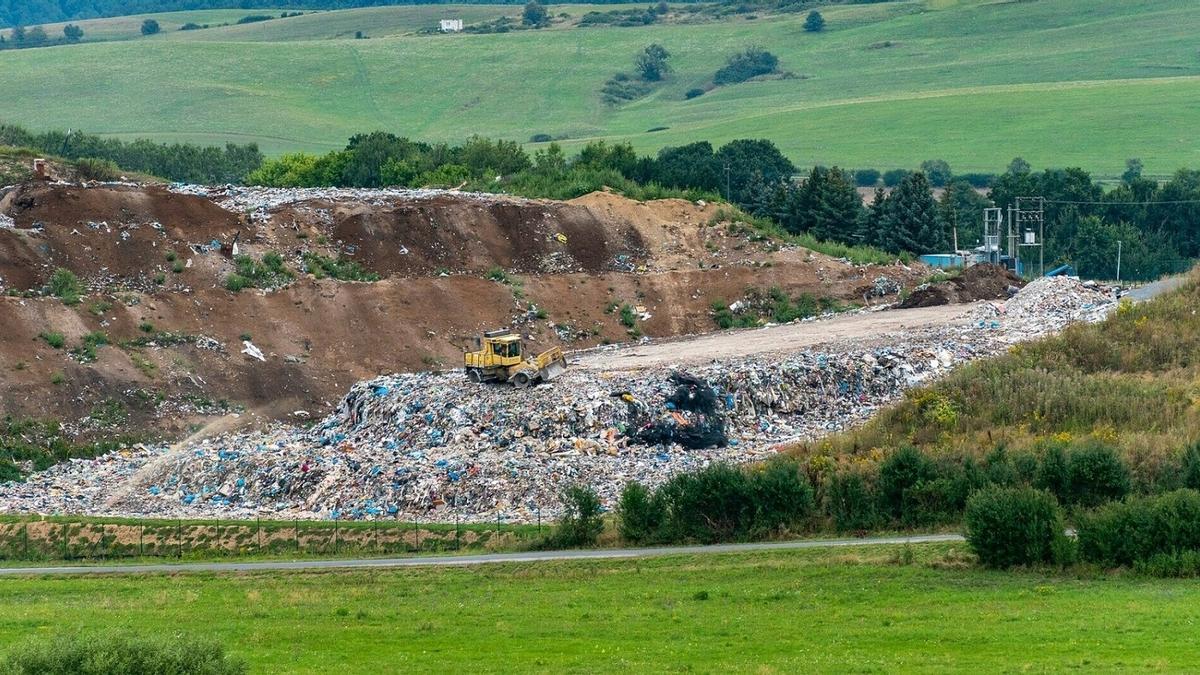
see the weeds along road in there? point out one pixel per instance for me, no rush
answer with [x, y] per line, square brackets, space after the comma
[463, 560]
[788, 338]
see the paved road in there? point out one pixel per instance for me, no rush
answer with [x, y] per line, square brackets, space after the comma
[788, 338]
[458, 560]
[1159, 287]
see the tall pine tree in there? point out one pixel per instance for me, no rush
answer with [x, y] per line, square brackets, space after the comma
[910, 219]
[870, 221]
[828, 205]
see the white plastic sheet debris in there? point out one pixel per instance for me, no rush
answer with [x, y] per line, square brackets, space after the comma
[250, 350]
[434, 447]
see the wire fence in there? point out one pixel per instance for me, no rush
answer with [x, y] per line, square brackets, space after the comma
[59, 539]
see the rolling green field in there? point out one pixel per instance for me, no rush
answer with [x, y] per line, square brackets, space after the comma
[802, 611]
[976, 82]
[375, 22]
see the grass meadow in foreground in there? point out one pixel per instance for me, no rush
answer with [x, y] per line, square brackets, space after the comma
[924, 608]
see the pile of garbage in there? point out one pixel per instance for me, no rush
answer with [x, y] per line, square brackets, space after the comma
[435, 446]
[240, 199]
[1047, 305]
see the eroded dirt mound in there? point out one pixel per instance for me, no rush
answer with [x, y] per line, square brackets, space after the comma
[978, 282]
[105, 233]
[155, 260]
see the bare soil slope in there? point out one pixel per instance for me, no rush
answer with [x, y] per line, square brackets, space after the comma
[154, 261]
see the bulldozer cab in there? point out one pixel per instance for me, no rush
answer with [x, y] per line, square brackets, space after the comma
[496, 351]
[507, 349]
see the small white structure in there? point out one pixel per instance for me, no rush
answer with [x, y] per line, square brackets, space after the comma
[450, 25]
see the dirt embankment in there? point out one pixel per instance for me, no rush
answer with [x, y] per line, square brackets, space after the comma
[979, 282]
[153, 262]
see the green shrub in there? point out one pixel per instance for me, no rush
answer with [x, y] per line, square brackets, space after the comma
[852, 501]
[781, 496]
[270, 273]
[639, 517]
[237, 282]
[111, 652]
[710, 505]
[1137, 529]
[628, 317]
[581, 523]
[746, 64]
[1190, 475]
[1184, 564]
[901, 471]
[341, 269]
[724, 503]
[55, 340]
[1096, 475]
[1053, 475]
[498, 274]
[1014, 526]
[90, 168]
[933, 501]
[65, 285]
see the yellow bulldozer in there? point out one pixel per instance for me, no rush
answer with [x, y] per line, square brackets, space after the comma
[499, 356]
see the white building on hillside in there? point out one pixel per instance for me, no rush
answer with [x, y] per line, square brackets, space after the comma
[451, 25]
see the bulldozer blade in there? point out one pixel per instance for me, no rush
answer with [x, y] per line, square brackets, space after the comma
[553, 370]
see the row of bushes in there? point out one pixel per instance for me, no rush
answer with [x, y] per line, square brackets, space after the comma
[1157, 534]
[908, 489]
[719, 503]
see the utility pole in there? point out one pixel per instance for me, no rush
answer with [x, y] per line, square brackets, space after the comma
[1118, 261]
[728, 191]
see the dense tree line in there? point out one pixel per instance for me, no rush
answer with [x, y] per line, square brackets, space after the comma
[179, 162]
[1153, 221]
[924, 211]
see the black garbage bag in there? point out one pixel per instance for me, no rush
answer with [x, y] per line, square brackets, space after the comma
[693, 393]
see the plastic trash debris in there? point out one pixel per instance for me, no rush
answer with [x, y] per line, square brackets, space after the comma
[250, 350]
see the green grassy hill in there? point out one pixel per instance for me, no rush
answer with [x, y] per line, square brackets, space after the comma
[976, 82]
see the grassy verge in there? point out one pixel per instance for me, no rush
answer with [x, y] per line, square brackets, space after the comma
[1128, 383]
[877, 609]
[74, 538]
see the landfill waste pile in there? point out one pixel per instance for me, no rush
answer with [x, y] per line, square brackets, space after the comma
[435, 447]
[259, 201]
[1046, 301]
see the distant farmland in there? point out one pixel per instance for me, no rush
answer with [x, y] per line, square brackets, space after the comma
[1059, 82]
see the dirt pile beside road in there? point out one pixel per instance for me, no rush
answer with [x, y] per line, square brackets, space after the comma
[978, 282]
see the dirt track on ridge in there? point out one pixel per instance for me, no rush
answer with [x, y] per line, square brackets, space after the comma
[773, 339]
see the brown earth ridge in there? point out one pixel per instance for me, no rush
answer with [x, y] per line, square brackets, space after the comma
[154, 260]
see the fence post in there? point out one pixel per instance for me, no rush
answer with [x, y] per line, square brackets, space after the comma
[25, 536]
[375, 531]
[539, 520]
[64, 542]
[179, 538]
[103, 535]
[457, 544]
[258, 523]
[220, 548]
[296, 533]
[335, 533]
[141, 538]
